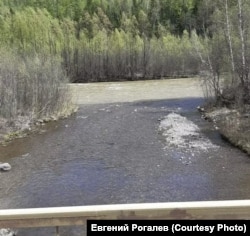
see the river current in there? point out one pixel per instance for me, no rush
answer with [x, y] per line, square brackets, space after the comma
[115, 149]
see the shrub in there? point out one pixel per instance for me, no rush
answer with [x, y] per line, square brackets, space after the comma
[33, 86]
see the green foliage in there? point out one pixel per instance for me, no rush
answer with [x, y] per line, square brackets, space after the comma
[98, 39]
[180, 14]
[32, 31]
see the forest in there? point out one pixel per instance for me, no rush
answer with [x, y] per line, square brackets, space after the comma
[106, 40]
[46, 43]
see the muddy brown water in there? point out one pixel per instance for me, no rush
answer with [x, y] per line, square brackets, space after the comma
[111, 151]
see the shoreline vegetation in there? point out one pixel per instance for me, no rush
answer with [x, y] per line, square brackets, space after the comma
[47, 44]
[33, 91]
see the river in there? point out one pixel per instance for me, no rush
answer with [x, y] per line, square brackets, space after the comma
[116, 149]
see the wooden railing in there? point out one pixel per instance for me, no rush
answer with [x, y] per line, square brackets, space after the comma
[78, 215]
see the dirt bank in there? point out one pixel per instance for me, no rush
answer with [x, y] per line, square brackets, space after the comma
[233, 125]
[22, 126]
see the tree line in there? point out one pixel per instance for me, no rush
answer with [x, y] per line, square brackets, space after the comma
[105, 40]
[110, 40]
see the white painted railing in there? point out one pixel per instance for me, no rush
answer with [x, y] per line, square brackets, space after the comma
[78, 215]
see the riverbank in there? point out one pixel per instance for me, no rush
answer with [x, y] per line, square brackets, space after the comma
[22, 126]
[232, 124]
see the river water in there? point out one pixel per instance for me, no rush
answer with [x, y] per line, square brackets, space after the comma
[113, 151]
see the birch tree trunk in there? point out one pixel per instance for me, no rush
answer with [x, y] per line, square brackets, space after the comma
[243, 73]
[229, 38]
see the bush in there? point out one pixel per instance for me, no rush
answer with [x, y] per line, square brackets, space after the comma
[32, 86]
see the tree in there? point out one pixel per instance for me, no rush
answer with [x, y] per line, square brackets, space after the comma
[154, 15]
[143, 23]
